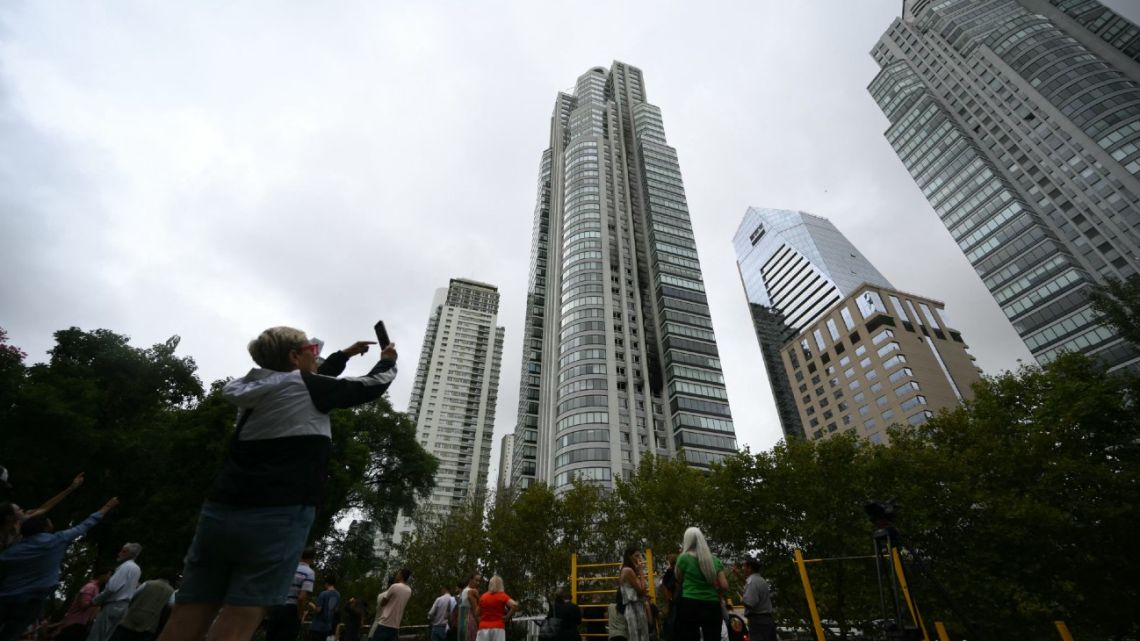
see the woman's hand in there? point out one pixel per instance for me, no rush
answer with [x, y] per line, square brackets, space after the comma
[359, 347]
[389, 353]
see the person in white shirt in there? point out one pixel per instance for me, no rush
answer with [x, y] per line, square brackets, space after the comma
[390, 608]
[116, 597]
[438, 615]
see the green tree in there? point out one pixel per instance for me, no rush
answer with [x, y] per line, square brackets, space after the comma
[1024, 501]
[527, 521]
[807, 495]
[584, 520]
[133, 420]
[1118, 303]
[1016, 508]
[12, 372]
[443, 549]
[377, 467]
[658, 503]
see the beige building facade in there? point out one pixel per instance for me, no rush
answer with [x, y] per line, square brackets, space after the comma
[879, 357]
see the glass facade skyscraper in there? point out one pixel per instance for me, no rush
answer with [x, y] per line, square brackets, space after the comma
[619, 356]
[795, 267]
[1020, 122]
[455, 393]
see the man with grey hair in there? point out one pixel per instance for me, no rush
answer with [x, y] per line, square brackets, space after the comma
[256, 519]
[757, 599]
[114, 600]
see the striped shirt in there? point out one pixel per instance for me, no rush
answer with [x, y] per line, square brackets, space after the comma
[302, 582]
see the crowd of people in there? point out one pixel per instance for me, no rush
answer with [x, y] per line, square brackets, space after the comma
[247, 565]
[113, 605]
[694, 596]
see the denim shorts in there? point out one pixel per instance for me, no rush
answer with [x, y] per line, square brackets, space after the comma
[245, 555]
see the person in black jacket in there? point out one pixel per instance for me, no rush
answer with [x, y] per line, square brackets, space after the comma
[253, 526]
[569, 617]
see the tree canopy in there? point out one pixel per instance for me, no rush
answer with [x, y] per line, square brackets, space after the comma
[1118, 304]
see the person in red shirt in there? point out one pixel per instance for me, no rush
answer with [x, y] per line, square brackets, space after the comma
[76, 622]
[495, 607]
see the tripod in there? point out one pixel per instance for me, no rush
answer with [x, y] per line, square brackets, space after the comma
[888, 549]
[885, 539]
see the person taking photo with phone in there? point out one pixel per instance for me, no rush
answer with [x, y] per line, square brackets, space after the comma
[255, 521]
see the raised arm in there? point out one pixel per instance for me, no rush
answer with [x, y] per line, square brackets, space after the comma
[629, 576]
[79, 530]
[335, 363]
[330, 393]
[55, 500]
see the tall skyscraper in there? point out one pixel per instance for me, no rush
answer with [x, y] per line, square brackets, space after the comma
[455, 391]
[794, 267]
[619, 356]
[1020, 122]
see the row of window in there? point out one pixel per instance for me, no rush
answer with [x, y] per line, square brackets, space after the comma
[585, 454]
[585, 418]
[585, 474]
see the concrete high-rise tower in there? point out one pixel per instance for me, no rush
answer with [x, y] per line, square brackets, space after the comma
[1020, 122]
[619, 357]
[455, 392]
[877, 358]
[794, 267]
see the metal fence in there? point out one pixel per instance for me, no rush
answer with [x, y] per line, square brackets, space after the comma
[529, 627]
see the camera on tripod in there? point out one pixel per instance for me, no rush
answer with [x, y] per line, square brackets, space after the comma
[887, 544]
[882, 513]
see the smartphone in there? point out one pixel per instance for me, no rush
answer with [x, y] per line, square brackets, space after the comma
[381, 334]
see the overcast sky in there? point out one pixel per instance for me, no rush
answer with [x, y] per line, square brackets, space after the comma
[215, 172]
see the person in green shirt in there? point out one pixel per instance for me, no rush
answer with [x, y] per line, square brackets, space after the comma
[702, 581]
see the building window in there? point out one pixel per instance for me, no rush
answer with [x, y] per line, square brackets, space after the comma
[901, 374]
[906, 388]
[848, 321]
[912, 403]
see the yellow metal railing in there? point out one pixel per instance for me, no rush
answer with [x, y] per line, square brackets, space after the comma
[584, 578]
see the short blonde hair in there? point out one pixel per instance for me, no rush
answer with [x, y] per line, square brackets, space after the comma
[496, 584]
[272, 347]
